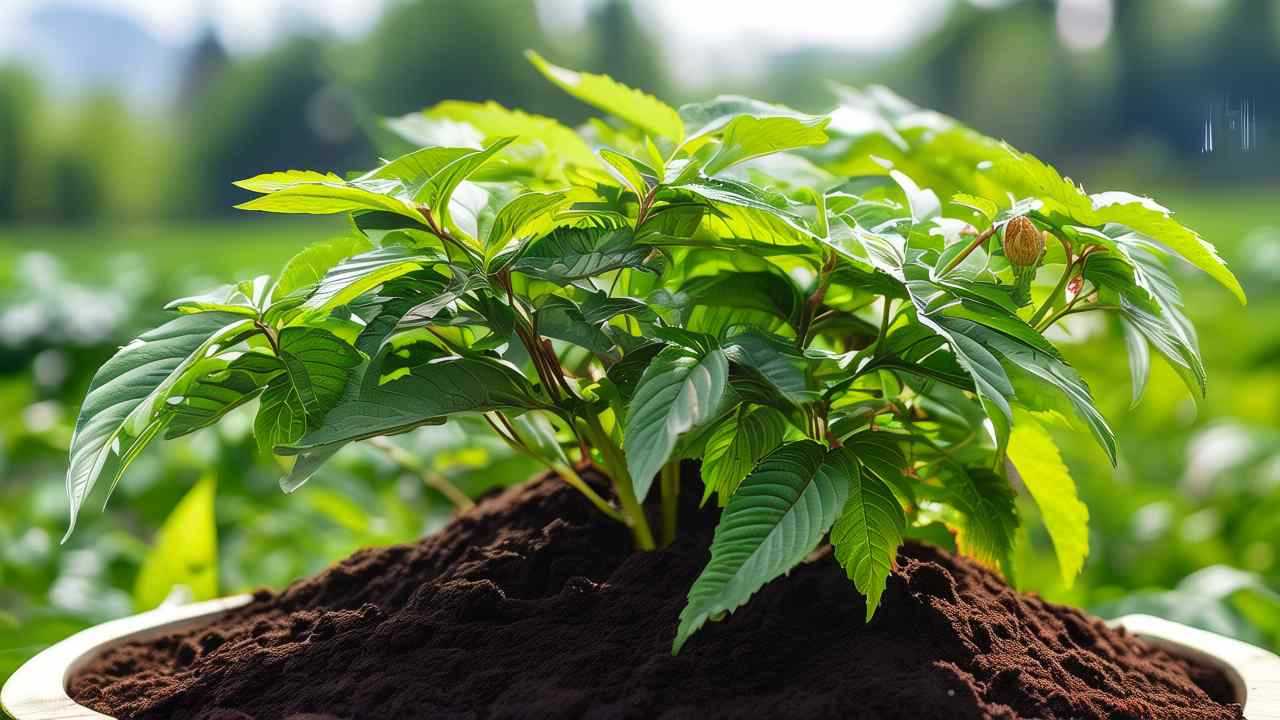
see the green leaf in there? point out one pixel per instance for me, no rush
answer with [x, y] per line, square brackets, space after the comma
[990, 514]
[604, 93]
[306, 465]
[774, 360]
[736, 445]
[309, 266]
[274, 181]
[777, 517]
[561, 319]
[184, 551]
[747, 137]
[869, 530]
[529, 215]
[282, 417]
[1039, 465]
[327, 198]
[1152, 304]
[240, 299]
[317, 365]
[989, 377]
[408, 175]
[881, 455]
[632, 173]
[982, 206]
[226, 385]
[129, 391]
[425, 395]
[1144, 216]
[439, 190]
[494, 121]
[361, 273]
[680, 390]
[713, 116]
[1046, 371]
[1139, 360]
[569, 254]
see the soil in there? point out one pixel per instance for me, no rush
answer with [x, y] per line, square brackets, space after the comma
[532, 605]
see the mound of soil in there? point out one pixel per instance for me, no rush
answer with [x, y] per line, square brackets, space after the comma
[532, 605]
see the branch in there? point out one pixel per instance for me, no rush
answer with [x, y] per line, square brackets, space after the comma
[977, 243]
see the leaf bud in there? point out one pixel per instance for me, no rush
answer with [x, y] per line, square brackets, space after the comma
[1023, 243]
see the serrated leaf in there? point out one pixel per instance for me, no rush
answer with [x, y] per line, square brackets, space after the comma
[327, 198]
[736, 445]
[309, 266]
[425, 395]
[880, 454]
[870, 528]
[982, 206]
[713, 116]
[1039, 465]
[528, 215]
[438, 192]
[604, 93]
[282, 418]
[774, 360]
[275, 181]
[227, 385]
[569, 254]
[494, 121]
[128, 393]
[990, 515]
[1155, 222]
[361, 273]
[226, 298]
[747, 137]
[777, 517]
[680, 390]
[561, 319]
[1045, 371]
[318, 365]
[408, 175]
[632, 173]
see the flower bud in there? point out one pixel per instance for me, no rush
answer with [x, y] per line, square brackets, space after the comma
[1023, 243]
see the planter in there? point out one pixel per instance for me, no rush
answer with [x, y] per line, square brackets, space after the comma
[528, 601]
[37, 691]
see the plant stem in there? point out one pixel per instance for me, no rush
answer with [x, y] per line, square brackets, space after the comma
[977, 243]
[1071, 309]
[575, 481]
[430, 478]
[616, 465]
[810, 310]
[670, 481]
[1057, 291]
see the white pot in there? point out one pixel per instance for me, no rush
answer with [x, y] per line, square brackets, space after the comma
[38, 690]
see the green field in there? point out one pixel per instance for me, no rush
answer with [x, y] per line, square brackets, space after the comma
[224, 250]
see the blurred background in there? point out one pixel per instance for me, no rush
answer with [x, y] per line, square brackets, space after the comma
[123, 123]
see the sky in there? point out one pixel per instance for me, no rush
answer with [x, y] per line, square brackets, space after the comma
[244, 25]
[702, 25]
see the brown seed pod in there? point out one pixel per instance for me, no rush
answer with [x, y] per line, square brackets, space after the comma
[1023, 243]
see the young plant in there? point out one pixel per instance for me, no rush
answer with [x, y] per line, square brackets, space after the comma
[842, 316]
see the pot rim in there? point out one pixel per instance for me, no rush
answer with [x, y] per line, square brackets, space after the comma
[38, 690]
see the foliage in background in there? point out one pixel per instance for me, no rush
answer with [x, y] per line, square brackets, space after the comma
[785, 296]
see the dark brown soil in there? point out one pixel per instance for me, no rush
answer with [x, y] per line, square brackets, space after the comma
[534, 606]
